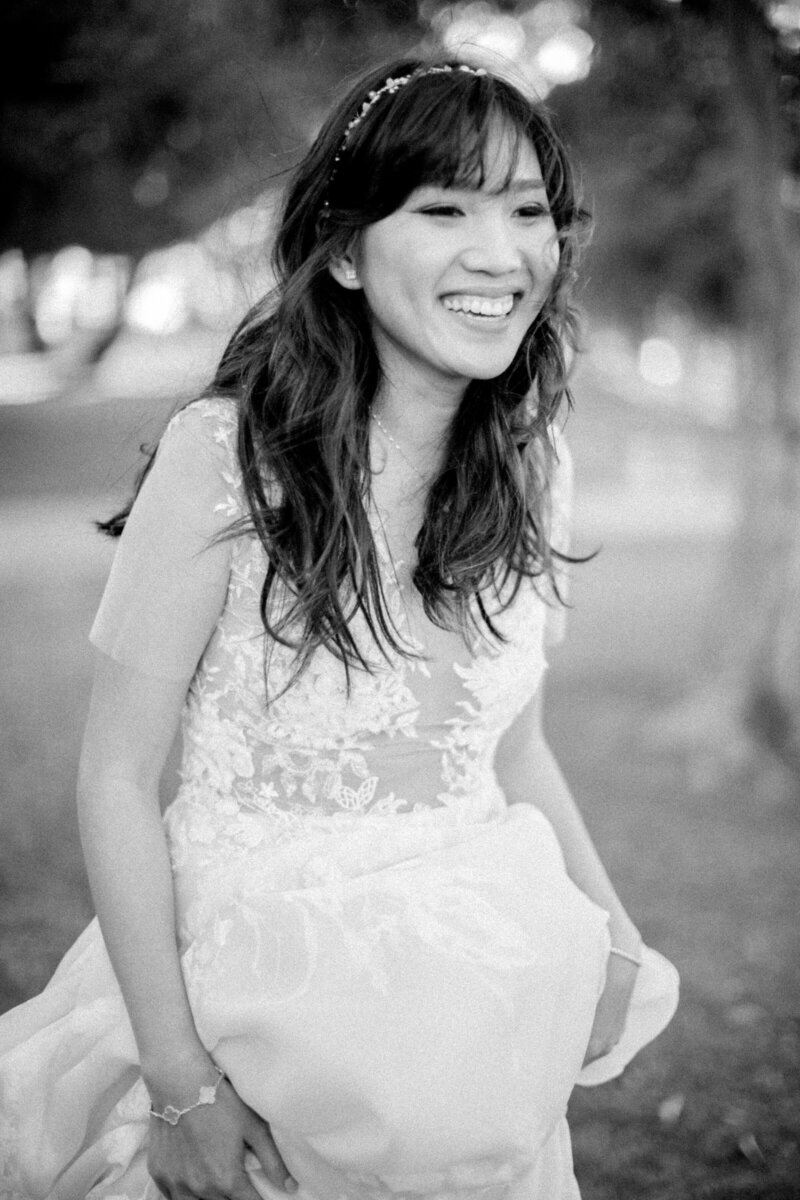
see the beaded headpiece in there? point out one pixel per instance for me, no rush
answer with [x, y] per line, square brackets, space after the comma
[389, 88]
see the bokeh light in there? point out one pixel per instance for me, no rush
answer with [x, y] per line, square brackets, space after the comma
[542, 46]
[660, 362]
[566, 57]
[157, 305]
[65, 280]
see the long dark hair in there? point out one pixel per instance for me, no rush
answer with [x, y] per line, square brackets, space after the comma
[303, 369]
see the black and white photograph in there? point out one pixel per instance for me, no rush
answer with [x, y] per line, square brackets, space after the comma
[400, 600]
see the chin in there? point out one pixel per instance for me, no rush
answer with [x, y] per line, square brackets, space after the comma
[486, 371]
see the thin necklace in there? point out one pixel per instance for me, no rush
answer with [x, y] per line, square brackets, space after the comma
[399, 449]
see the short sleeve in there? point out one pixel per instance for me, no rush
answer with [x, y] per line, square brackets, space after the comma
[169, 578]
[561, 496]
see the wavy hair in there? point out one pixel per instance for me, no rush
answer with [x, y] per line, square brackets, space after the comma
[304, 371]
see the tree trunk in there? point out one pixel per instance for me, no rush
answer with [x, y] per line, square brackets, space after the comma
[762, 657]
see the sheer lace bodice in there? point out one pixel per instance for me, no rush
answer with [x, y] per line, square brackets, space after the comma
[416, 732]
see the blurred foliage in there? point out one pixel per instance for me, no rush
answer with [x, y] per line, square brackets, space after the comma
[657, 125]
[655, 154]
[126, 124]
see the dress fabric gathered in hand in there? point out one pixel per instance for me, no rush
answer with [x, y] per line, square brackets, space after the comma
[389, 961]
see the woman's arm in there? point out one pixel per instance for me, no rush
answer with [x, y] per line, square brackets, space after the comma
[132, 721]
[166, 591]
[529, 774]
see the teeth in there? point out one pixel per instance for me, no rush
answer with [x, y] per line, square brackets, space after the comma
[481, 306]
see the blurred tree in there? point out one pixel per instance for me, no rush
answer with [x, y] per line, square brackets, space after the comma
[770, 238]
[130, 123]
[689, 124]
[107, 109]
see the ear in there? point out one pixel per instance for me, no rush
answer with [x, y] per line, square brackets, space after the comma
[345, 273]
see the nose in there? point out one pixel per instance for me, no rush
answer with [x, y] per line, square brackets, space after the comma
[493, 248]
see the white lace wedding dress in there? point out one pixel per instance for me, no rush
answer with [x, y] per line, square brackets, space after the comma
[388, 961]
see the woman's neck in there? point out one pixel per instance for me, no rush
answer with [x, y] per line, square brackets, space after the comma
[418, 415]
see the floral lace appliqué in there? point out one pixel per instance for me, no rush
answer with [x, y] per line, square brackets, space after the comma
[414, 732]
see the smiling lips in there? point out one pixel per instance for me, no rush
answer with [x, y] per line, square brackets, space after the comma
[480, 306]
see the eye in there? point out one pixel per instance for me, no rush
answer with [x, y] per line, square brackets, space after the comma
[533, 210]
[441, 210]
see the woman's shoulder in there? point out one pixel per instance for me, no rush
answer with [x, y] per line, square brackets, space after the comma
[212, 420]
[200, 446]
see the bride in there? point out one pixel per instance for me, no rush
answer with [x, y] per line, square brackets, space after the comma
[370, 949]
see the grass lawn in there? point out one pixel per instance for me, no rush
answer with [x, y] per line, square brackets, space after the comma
[707, 866]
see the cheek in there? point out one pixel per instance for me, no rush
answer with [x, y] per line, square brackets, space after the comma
[543, 255]
[550, 252]
[392, 311]
[388, 279]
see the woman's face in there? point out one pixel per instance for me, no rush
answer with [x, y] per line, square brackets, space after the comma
[455, 277]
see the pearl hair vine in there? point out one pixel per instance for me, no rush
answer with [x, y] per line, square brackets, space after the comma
[389, 88]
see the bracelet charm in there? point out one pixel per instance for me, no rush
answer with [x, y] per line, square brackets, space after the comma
[208, 1095]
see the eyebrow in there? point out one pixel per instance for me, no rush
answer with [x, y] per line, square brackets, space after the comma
[517, 185]
[525, 185]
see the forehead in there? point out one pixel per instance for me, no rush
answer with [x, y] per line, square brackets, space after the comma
[502, 159]
[509, 158]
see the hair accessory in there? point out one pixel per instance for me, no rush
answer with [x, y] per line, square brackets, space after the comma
[208, 1095]
[633, 958]
[389, 88]
[394, 85]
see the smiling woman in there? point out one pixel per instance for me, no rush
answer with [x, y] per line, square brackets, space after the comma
[487, 254]
[371, 948]
[470, 134]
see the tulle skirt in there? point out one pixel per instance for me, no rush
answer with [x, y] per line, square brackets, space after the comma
[406, 999]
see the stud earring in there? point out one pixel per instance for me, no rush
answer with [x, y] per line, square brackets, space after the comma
[350, 273]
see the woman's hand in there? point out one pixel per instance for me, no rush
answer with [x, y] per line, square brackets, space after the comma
[203, 1155]
[612, 1008]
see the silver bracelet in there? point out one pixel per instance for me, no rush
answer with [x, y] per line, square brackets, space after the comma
[637, 962]
[208, 1095]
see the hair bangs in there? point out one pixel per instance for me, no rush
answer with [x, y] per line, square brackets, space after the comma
[443, 131]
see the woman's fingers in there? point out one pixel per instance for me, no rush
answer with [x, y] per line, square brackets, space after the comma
[162, 1185]
[245, 1189]
[239, 1188]
[261, 1142]
[602, 1042]
[598, 1047]
[612, 1009]
[223, 1151]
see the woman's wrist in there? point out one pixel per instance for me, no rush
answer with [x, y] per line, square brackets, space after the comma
[207, 1094]
[625, 937]
[176, 1077]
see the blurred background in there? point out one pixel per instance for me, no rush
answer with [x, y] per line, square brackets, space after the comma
[143, 148]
